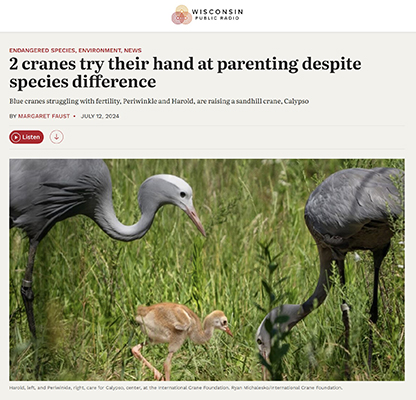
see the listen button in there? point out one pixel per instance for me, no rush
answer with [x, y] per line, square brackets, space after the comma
[26, 137]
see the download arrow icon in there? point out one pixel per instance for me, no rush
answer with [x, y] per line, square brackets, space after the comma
[56, 137]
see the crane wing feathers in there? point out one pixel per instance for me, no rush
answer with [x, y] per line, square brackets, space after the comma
[43, 192]
[50, 202]
[350, 199]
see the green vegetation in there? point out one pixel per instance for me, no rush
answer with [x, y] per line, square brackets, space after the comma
[87, 286]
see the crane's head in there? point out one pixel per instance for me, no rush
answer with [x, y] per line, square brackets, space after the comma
[219, 321]
[159, 190]
[280, 319]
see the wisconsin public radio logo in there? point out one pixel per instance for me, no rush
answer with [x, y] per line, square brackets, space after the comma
[183, 16]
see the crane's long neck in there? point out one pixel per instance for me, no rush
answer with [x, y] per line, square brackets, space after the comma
[106, 218]
[322, 287]
[296, 312]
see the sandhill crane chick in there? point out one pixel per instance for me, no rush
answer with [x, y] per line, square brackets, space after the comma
[173, 323]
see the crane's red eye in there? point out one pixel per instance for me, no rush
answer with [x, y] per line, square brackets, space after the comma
[182, 194]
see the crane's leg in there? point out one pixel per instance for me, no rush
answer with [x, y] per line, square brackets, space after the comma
[167, 365]
[136, 352]
[378, 256]
[26, 288]
[345, 317]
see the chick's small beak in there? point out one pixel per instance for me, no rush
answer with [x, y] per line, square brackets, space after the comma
[227, 330]
[195, 219]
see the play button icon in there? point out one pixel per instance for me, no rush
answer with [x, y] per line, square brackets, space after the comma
[15, 137]
[26, 137]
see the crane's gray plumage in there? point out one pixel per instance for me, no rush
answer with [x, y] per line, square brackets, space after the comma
[349, 203]
[351, 210]
[44, 192]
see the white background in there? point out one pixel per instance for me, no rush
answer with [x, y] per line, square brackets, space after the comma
[260, 16]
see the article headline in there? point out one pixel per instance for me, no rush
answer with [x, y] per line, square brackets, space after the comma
[92, 70]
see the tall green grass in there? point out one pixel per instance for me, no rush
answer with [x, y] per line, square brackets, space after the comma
[87, 286]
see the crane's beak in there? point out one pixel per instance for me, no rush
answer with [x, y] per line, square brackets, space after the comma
[190, 210]
[227, 330]
[264, 371]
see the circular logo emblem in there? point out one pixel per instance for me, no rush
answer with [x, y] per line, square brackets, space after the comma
[181, 16]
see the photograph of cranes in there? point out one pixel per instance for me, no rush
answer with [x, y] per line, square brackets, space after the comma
[274, 269]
